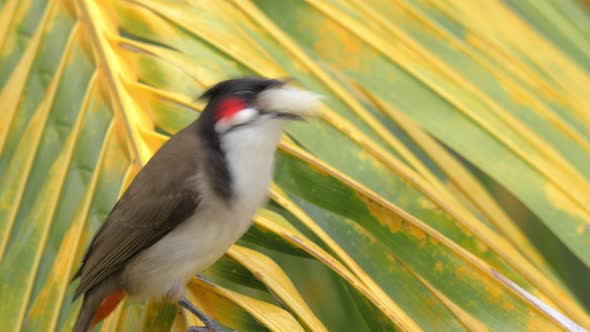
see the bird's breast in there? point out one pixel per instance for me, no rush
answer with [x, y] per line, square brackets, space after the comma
[217, 224]
[188, 249]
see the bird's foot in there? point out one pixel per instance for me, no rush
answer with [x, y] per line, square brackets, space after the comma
[198, 329]
[202, 277]
[207, 329]
[210, 324]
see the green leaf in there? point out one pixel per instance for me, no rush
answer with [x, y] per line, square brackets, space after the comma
[384, 191]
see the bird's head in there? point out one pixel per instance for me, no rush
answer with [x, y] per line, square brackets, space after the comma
[255, 102]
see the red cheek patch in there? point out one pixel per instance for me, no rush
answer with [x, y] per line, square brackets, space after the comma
[228, 107]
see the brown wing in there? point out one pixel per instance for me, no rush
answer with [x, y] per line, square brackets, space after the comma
[157, 201]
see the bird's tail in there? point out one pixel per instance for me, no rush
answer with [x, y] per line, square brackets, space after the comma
[96, 306]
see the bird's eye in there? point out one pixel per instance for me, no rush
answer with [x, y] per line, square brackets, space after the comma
[244, 93]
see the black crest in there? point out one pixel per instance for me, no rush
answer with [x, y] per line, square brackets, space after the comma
[253, 85]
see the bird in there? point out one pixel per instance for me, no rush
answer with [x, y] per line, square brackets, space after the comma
[191, 201]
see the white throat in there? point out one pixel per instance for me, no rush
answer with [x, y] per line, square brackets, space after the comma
[249, 153]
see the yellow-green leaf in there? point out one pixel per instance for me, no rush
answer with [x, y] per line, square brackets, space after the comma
[384, 213]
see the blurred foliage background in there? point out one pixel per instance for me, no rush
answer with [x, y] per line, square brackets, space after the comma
[446, 186]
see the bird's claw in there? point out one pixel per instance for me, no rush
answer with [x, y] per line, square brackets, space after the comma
[206, 329]
[210, 324]
[200, 329]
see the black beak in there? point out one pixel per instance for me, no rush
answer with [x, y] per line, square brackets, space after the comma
[287, 80]
[278, 82]
[283, 115]
[289, 116]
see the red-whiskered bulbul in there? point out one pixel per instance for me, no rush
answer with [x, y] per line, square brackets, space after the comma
[193, 199]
